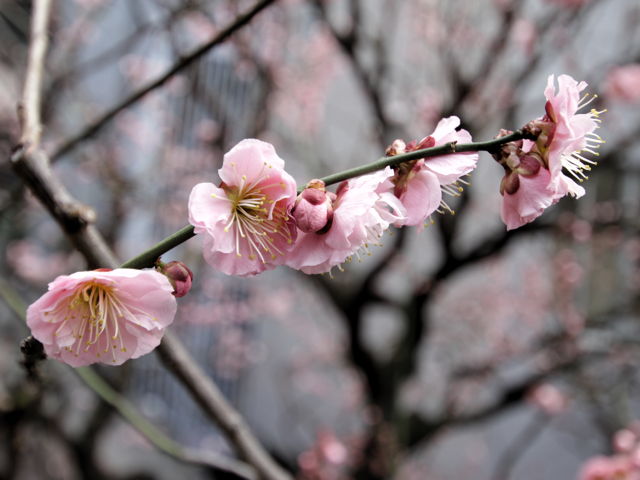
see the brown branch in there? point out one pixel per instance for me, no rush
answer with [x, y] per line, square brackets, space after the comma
[29, 111]
[176, 358]
[32, 164]
[75, 219]
[95, 126]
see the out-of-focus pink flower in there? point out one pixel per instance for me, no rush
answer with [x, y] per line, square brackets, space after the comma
[362, 210]
[245, 221]
[179, 275]
[608, 468]
[313, 210]
[106, 316]
[569, 3]
[548, 398]
[623, 83]
[525, 34]
[419, 184]
[625, 440]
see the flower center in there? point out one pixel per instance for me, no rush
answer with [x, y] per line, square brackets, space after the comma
[92, 316]
[257, 224]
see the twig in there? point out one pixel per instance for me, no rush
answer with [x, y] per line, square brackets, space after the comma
[155, 436]
[97, 124]
[176, 358]
[75, 219]
[519, 445]
[31, 97]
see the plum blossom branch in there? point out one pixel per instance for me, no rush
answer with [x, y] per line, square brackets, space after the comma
[148, 257]
[447, 148]
[95, 126]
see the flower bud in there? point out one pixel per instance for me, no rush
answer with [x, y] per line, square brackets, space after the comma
[313, 210]
[396, 148]
[510, 183]
[179, 276]
[529, 165]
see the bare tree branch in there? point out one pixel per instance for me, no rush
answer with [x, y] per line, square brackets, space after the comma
[95, 126]
[29, 111]
[519, 445]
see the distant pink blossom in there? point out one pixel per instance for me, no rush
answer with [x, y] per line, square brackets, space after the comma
[419, 184]
[106, 316]
[549, 399]
[618, 467]
[569, 3]
[245, 221]
[525, 34]
[623, 83]
[362, 210]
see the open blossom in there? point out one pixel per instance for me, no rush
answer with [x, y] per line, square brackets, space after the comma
[363, 208]
[419, 184]
[106, 316]
[535, 171]
[245, 221]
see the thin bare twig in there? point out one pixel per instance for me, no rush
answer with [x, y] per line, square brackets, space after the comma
[29, 111]
[519, 445]
[176, 358]
[95, 126]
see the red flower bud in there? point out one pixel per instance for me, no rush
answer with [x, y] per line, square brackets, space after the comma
[179, 276]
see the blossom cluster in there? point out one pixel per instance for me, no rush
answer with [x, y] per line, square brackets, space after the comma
[255, 220]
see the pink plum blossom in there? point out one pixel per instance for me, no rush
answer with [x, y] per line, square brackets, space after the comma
[419, 184]
[524, 189]
[245, 221]
[363, 209]
[106, 316]
[534, 171]
[623, 83]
